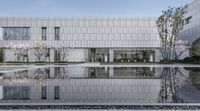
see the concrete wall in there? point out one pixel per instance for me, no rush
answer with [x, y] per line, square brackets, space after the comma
[78, 55]
[74, 55]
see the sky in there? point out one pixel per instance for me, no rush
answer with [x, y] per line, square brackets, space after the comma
[86, 7]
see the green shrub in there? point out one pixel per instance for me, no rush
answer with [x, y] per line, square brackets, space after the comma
[194, 59]
[193, 69]
[166, 62]
[195, 49]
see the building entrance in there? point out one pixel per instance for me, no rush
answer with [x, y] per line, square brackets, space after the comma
[99, 55]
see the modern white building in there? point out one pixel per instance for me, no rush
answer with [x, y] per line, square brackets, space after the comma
[93, 39]
[89, 39]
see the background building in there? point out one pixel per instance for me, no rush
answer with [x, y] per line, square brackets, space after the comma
[191, 23]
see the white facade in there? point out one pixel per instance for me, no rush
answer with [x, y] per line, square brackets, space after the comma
[84, 33]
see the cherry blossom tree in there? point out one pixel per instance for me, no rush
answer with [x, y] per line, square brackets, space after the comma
[40, 50]
[20, 51]
[63, 51]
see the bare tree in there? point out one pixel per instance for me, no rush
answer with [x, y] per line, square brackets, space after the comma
[181, 48]
[169, 24]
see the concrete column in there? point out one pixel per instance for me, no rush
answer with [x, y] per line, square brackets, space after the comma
[151, 58]
[157, 55]
[4, 60]
[52, 54]
[86, 55]
[111, 55]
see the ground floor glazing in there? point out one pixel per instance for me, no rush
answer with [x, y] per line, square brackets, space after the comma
[122, 55]
[130, 55]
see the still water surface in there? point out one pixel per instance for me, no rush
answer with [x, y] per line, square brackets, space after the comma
[101, 85]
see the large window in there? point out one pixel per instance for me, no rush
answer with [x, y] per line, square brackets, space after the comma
[57, 31]
[16, 33]
[188, 20]
[134, 56]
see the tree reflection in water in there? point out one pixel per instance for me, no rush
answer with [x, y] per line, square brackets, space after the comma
[41, 75]
[18, 77]
[171, 80]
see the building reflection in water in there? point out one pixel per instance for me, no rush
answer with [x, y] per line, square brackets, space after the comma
[122, 72]
[95, 85]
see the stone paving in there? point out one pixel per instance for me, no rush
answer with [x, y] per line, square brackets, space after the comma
[96, 64]
[12, 68]
[102, 107]
[89, 110]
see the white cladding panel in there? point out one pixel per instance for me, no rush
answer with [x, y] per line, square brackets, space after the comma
[89, 32]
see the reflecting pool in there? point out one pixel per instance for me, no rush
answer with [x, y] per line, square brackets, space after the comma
[101, 85]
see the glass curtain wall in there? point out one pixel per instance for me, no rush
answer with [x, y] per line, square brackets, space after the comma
[134, 56]
[102, 55]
